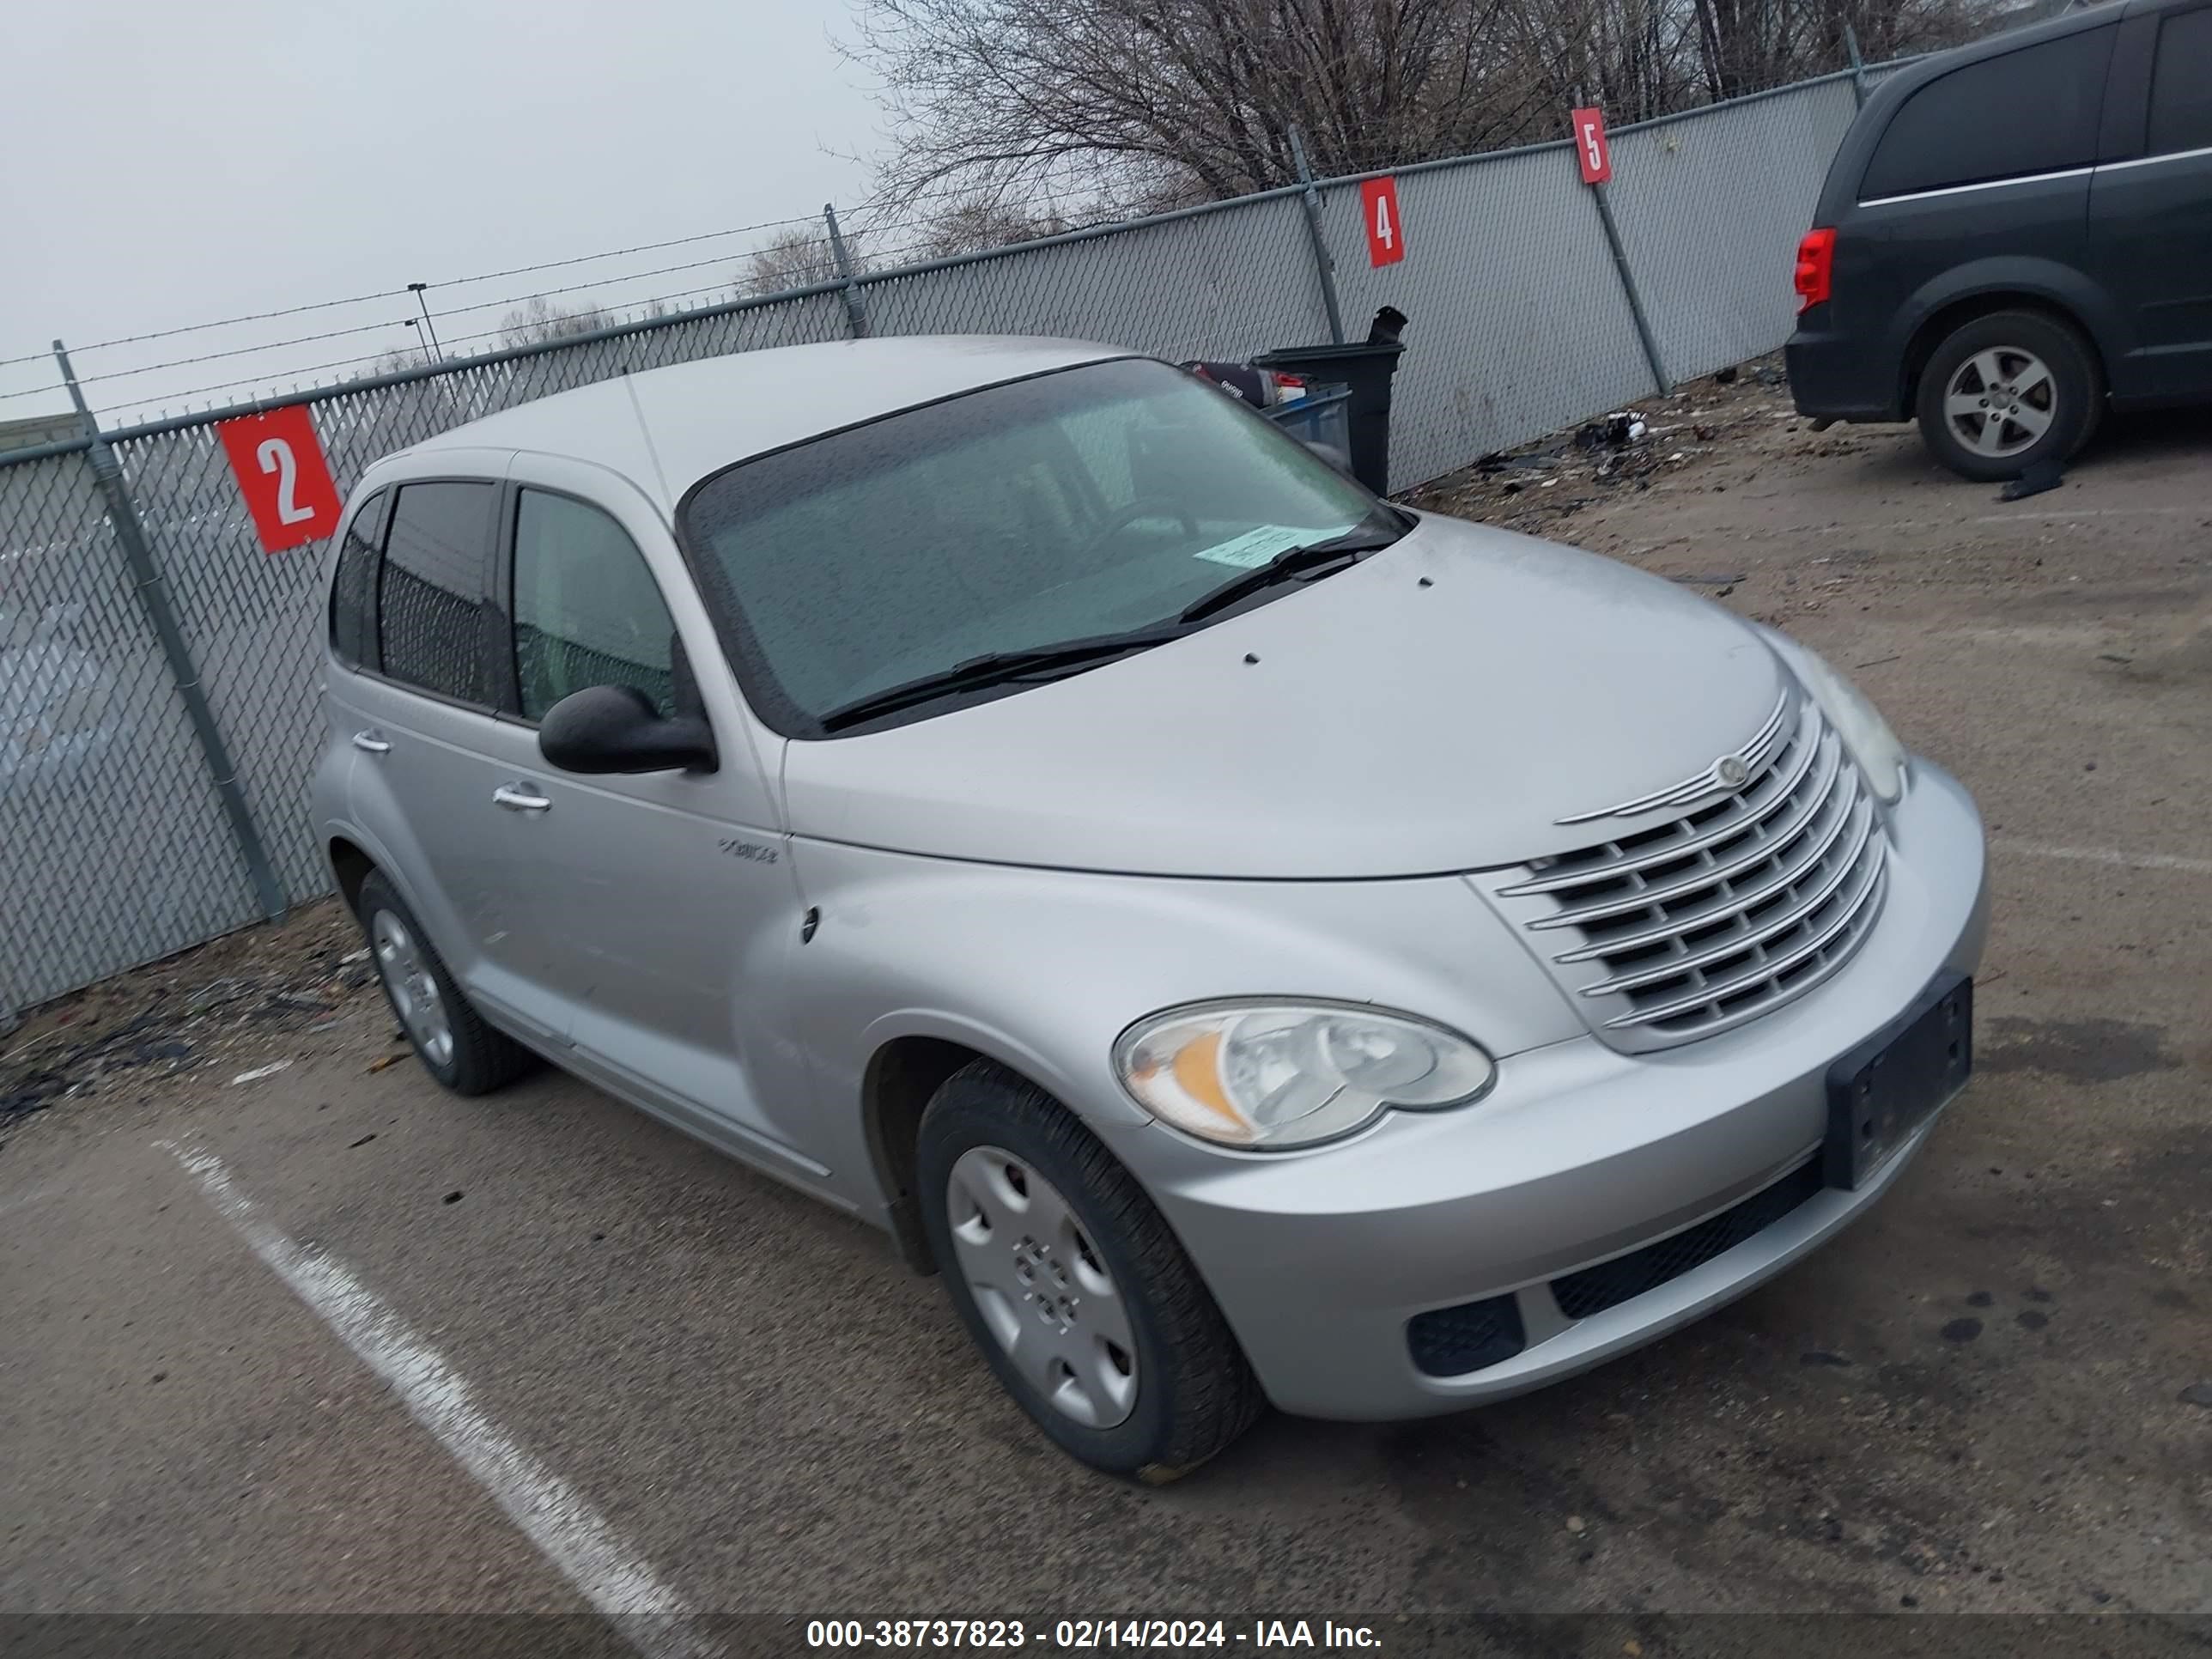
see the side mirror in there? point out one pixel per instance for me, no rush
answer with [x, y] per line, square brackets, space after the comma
[1329, 453]
[616, 728]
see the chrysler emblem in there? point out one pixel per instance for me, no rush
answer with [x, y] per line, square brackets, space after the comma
[1729, 772]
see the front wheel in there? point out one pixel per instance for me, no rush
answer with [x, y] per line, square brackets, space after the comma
[1078, 1295]
[2008, 393]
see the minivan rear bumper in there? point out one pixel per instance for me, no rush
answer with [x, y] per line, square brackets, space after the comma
[1579, 1156]
[1839, 376]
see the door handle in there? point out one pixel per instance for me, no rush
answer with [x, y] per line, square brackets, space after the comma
[371, 742]
[518, 798]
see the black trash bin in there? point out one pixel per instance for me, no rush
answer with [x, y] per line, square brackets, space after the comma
[1367, 369]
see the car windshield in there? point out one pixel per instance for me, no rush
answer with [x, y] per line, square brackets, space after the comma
[1084, 503]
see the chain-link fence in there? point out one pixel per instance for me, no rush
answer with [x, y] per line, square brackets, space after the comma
[159, 711]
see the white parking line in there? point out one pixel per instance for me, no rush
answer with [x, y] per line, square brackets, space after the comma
[574, 1536]
[2106, 855]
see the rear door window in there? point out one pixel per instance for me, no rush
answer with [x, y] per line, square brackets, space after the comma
[353, 588]
[2031, 111]
[587, 611]
[2181, 85]
[430, 601]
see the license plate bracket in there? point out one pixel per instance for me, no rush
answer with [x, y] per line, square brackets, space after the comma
[1882, 1091]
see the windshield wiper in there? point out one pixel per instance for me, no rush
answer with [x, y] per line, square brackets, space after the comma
[1040, 662]
[1292, 564]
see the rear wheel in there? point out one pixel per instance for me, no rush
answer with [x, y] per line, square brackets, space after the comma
[448, 1036]
[1078, 1295]
[2009, 392]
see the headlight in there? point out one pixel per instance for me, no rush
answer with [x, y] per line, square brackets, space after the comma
[1881, 756]
[1273, 1074]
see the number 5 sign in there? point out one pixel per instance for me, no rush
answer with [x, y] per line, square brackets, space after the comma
[1590, 146]
[1385, 242]
[279, 462]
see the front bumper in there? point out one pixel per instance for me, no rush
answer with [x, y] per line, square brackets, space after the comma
[1578, 1155]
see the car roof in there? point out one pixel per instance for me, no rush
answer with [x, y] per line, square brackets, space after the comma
[666, 428]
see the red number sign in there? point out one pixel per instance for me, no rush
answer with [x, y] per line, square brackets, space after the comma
[1590, 146]
[281, 471]
[1385, 242]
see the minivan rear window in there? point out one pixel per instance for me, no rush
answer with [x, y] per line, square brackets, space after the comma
[2031, 111]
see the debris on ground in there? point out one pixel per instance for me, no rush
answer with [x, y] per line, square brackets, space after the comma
[1618, 430]
[224, 1000]
[260, 1072]
[1625, 448]
[2044, 474]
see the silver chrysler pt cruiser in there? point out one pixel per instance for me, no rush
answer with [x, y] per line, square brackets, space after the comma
[1257, 942]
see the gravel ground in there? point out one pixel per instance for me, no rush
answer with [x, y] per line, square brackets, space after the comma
[1994, 1394]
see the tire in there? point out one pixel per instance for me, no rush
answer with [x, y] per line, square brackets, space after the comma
[473, 1058]
[2036, 369]
[1190, 1391]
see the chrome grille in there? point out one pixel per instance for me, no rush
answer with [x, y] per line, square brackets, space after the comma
[1712, 918]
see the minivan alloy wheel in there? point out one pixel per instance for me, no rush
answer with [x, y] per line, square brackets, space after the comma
[1042, 1287]
[2000, 401]
[412, 988]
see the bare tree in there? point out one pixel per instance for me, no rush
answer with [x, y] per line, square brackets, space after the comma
[978, 223]
[1122, 96]
[1144, 101]
[541, 321]
[394, 363]
[792, 258]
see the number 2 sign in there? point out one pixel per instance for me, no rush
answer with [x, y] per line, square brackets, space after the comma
[1386, 241]
[279, 462]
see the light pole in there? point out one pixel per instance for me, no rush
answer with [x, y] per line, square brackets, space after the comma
[416, 289]
[416, 324]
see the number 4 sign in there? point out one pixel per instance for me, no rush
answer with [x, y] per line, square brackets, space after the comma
[1385, 242]
[279, 462]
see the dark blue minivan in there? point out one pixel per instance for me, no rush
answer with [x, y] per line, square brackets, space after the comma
[2015, 235]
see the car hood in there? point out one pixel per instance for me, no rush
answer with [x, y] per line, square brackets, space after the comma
[1437, 708]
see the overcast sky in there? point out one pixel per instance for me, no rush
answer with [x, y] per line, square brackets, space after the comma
[175, 161]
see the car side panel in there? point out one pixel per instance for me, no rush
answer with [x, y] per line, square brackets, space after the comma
[2150, 209]
[909, 946]
[1899, 263]
[425, 809]
[2153, 225]
[654, 913]
[2026, 279]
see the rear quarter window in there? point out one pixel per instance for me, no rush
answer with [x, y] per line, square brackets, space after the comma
[353, 587]
[2031, 111]
[2181, 88]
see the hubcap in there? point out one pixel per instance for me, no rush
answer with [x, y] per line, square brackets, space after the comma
[2000, 401]
[1043, 1286]
[413, 989]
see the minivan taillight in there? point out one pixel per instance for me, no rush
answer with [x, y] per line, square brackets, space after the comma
[1816, 261]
